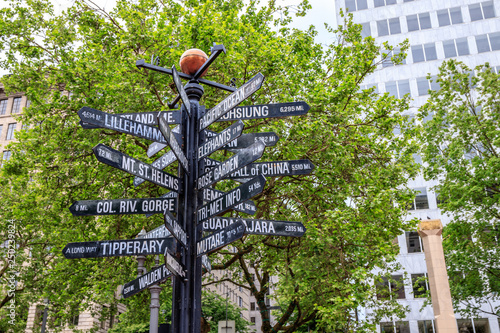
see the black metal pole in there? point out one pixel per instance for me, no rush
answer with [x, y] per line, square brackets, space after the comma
[186, 310]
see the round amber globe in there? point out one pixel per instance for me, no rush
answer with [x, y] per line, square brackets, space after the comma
[192, 60]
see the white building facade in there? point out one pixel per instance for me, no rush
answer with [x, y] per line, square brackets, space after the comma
[437, 30]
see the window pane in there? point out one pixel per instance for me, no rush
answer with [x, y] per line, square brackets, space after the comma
[16, 106]
[488, 9]
[421, 201]
[379, 3]
[362, 4]
[395, 26]
[1, 128]
[456, 15]
[443, 18]
[413, 242]
[417, 53]
[404, 87]
[402, 327]
[383, 29]
[449, 48]
[391, 88]
[419, 285]
[434, 84]
[475, 12]
[412, 22]
[462, 46]
[390, 2]
[3, 106]
[366, 31]
[387, 327]
[350, 5]
[10, 131]
[422, 86]
[430, 52]
[425, 326]
[425, 21]
[397, 287]
[495, 41]
[482, 43]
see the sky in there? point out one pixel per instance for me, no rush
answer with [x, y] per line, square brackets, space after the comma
[323, 11]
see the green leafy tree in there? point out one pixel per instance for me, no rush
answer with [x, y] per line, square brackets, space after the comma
[352, 205]
[218, 308]
[461, 148]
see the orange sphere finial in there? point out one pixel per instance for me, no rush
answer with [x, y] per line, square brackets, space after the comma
[192, 60]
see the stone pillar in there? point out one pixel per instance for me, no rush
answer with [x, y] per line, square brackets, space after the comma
[430, 231]
[154, 308]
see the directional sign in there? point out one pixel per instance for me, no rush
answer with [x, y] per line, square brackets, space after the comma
[266, 111]
[245, 140]
[180, 89]
[123, 125]
[232, 164]
[232, 100]
[206, 263]
[274, 169]
[135, 167]
[160, 232]
[154, 276]
[147, 118]
[122, 206]
[155, 147]
[175, 228]
[174, 266]
[173, 143]
[160, 163]
[232, 198]
[257, 227]
[220, 238]
[170, 194]
[117, 248]
[221, 139]
[248, 207]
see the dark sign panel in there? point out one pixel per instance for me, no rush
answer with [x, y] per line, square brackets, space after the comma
[257, 227]
[221, 139]
[232, 198]
[119, 124]
[269, 138]
[248, 207]
[180, 89]
[159, 232]
[266, 111]
[274, 169]
[172, 142]
[175, 229]
[118, 248]
[154, 276]
[155, 147]
[147, 118]
[170, 194]
[232, 100]
[160, 163]
[122, 206]
[135, 167]
[174, 266]
[221, 238]
[232, 164]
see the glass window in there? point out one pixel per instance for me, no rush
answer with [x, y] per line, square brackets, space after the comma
[412, 21]
[16, 106]
[488, 9]
[1, 129]
[391, 287]
[449, 48]
[5, 156]
[391, 88]
[426, 326]
[3, 106]
[482, 43]
[350, 5]
[414, 242]
[443, 17]
[252, 320]
[403, 87]
[366, 30]
[462, 46]
[252, 306]
[425, 21]
[422, 86]
[420, 285]
[379, 3]
[434, 84]
[475, 12]
[417, 52]
[362, 4]
[394, 26]
[473, 325]
[495, 41]
[421, 201]
[10, 131]
[390, 2]
[456, 15]
[383, 28]
[430, 52]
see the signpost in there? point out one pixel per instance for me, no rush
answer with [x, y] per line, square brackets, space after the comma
[193, 196]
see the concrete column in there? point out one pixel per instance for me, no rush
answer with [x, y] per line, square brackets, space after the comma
[430, 231]
[155, 308]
